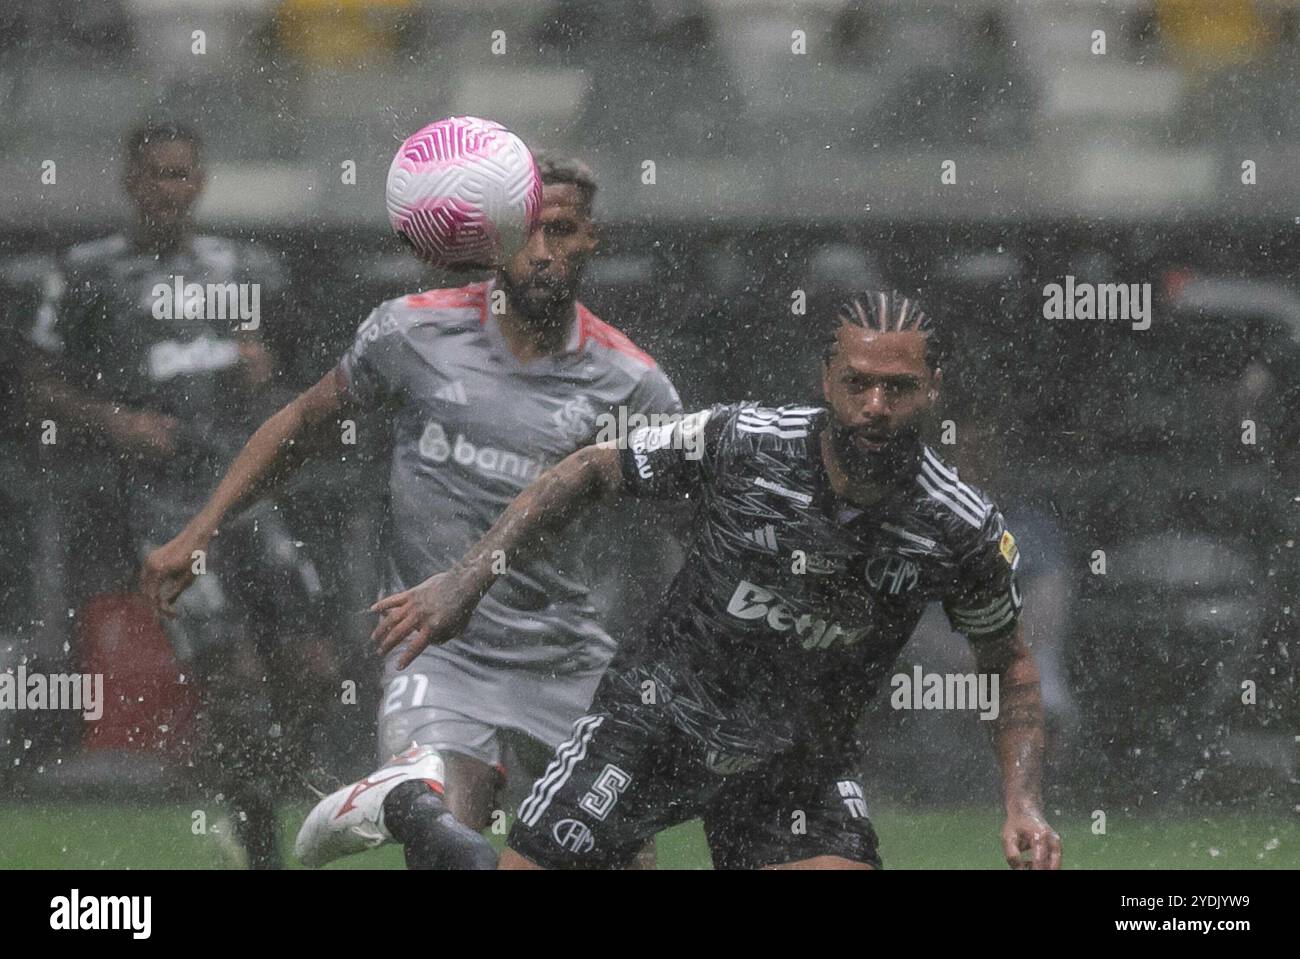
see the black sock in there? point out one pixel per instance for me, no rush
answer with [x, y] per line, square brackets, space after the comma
[253, 816]
[417, 817]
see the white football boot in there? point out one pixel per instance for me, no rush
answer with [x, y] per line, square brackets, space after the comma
[351, 820]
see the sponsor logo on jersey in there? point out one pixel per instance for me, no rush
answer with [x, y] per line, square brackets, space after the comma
[926, 544]
[573, 835]
[639, 448]
[892, 574]
[851, 793]
[750, 602]
[501, 464]
[725, 765]
[453, 392]
[205, 354]
[803, 499]
[374, 327]
[822, 565]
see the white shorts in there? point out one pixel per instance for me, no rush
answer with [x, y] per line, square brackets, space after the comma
[458, 704]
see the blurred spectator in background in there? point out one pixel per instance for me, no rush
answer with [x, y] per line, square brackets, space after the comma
[147, 359]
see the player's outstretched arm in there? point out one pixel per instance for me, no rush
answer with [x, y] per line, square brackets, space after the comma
[1018, 740]
[270, 457]
[439, 608]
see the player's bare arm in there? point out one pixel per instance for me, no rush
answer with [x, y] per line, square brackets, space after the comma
[438, 609]
[270, 457]
[1018, 740]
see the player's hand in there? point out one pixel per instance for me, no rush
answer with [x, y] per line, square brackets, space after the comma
[167, 572]
[1028, 832]
[149, 434]
[436, 611]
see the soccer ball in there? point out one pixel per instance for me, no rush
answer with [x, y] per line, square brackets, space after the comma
[464, 192]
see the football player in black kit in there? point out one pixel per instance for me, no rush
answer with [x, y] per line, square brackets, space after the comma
[154, 392]
[822, 533]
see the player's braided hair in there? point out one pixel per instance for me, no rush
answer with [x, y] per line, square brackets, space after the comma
[557, 168]
[885, 311]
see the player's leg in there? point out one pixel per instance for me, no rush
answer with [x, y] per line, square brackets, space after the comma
[278, 585]
[233, 721]
[232, 725]
[789, 814]
[616, 782]
[437, 799]
[434, 702]
[526, 760]
[401, 798]
[443, 830]
[268, 691]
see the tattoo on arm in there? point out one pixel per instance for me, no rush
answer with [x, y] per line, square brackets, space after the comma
[546, 506]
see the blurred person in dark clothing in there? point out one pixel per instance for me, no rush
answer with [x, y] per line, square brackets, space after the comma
[148, 356]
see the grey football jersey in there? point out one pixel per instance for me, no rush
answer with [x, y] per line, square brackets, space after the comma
[472, 427]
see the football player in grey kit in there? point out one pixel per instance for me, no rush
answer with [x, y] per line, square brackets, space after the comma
[487, 386]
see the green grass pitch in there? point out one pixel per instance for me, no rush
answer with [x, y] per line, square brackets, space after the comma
[161, 837]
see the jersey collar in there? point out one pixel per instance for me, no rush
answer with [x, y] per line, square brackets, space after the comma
[573, 344]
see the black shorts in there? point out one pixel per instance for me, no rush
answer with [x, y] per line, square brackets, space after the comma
[629, 772]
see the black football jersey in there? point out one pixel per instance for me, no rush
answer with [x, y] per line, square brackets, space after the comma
[120, 332]
[792, 606]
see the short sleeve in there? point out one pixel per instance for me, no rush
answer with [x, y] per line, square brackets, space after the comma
[72, 322]
[654, 393]
[37, 306]
[367, 370]
[673, 460]
[985, 601]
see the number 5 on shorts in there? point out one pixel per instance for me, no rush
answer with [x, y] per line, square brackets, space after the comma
[609, 785]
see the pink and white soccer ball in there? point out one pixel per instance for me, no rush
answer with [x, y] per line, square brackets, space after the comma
[465, 192]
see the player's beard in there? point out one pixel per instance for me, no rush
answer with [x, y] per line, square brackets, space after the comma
[543, 304]
[896, 462]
